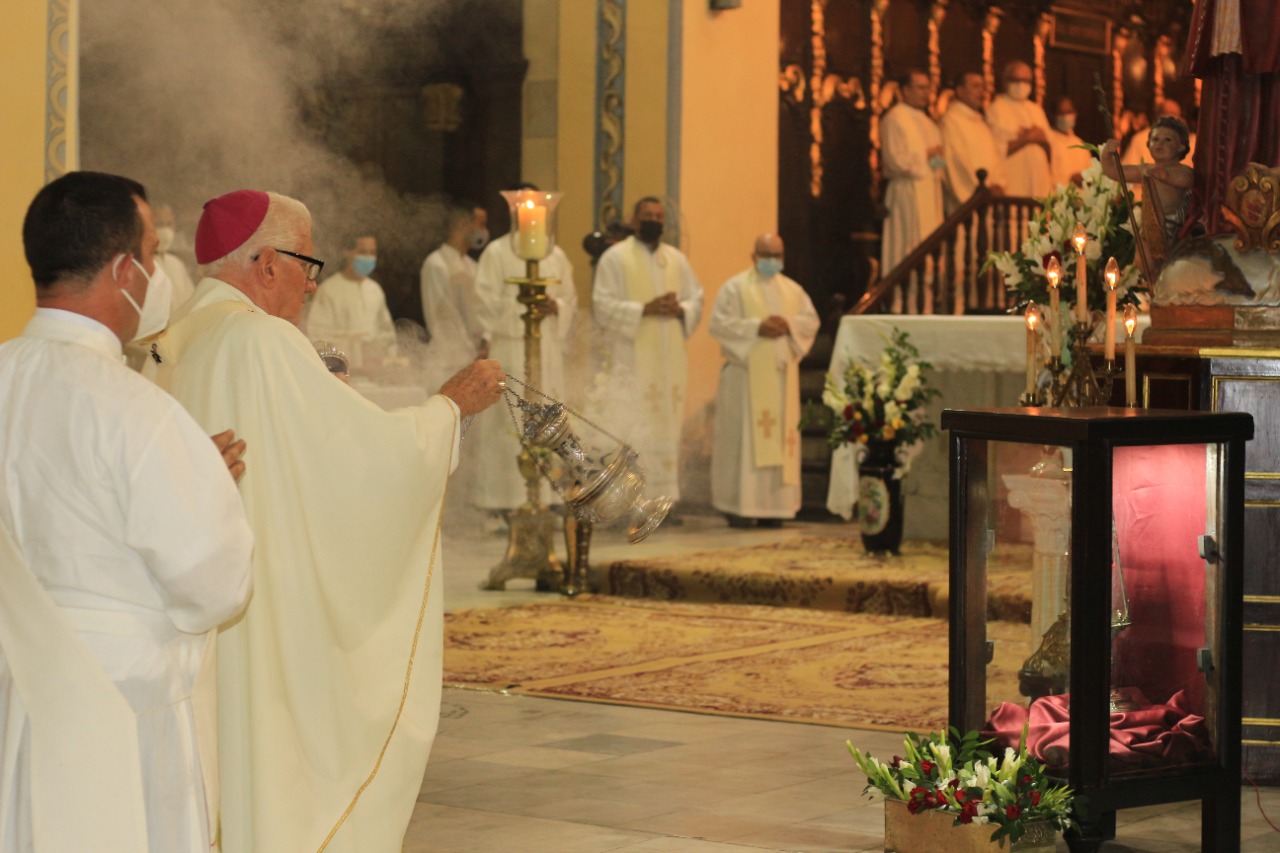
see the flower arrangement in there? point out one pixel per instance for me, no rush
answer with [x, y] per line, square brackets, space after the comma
[1100, 206]
[959, 777]
[886, 403]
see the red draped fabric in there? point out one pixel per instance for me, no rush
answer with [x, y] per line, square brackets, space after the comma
[1159, 735]
[1239, 103]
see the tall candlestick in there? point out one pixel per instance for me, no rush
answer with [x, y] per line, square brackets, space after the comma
[1033, 368]
[1079, 239]
[1130, 357]
[1112, 277]
[532, 225]
[1054, 273]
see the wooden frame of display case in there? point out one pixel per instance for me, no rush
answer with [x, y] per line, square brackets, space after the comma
[1093, 434]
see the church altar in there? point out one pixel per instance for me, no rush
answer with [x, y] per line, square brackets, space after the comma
[978, 361]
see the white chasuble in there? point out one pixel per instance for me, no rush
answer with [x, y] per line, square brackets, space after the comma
[647, 352]
[131, 546]
[329, 685]
[496, 483]
[745, 481]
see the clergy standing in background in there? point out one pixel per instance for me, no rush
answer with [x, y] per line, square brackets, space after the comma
[968, 142]
[450, 305]
[329, 685]
[1070, 158]
[1022, 132]
[123, 545]
[349, 309]
[911, 156]
[765, 324]
[647, 302]
[173, 265]
[499, 486]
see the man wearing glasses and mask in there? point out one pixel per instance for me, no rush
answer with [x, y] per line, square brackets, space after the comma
[330, 682]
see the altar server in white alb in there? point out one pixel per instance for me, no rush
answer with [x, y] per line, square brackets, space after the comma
[969, 143]
[1022, 132]
[1070, 157]
[349, 309]
[330, 682]
[498, 485]
[647, 302]
[123, 545]
[911, 155]
[765, 324]
[450, 305]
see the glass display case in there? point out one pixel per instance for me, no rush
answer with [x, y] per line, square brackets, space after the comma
[1096, 600]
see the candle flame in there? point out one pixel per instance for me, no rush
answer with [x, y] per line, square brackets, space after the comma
[1130, 319]
[529, 204]
[1054, 272]
[1113, 273]
[1032, 315]
[1079, 238]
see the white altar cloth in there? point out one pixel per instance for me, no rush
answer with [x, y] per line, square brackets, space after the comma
[978, 362]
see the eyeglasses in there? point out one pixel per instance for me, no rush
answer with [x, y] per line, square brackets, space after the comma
[310, 266]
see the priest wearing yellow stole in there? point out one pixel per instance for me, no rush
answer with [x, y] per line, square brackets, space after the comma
[329, 685]
[765, 324]
[647, 301]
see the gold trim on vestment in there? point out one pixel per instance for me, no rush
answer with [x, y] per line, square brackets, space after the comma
[413, 651]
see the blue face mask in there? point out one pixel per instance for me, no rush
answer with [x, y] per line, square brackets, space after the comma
[768, 267]
[364, 264]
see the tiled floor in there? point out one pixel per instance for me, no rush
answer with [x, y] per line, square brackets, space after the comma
[512, 773]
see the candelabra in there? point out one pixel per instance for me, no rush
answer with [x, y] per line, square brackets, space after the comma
[1077, 384]
[531, 526]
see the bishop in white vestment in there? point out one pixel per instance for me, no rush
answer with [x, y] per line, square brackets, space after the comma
[498, 484]
[330, 683]
[765, 324]
[123, 545]
[647, 302]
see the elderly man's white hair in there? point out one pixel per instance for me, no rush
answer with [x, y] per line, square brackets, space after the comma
[286, 219]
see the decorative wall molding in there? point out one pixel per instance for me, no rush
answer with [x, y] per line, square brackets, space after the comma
[937, 14]
[61, 138]
[611, 110]
[820, 89]
[1119, 41]
[1044, 28]
[876, 83]
[990, 25]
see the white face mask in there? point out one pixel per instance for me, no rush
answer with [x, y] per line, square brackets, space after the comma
[165, 234]
[153, 315]
[1066, 122]
[1019, 91]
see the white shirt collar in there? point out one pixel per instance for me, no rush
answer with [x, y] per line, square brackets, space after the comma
[56, 324]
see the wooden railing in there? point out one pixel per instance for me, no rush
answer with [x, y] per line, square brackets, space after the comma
[943, 275]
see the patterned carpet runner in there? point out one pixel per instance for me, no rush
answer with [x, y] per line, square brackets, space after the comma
[857, 670]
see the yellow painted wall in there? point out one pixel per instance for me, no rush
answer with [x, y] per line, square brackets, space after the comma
[645, 132]
[728, 155]
[22, 98]
[575, 142]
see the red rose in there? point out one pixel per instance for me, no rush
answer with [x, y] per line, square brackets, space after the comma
[848, 412]
[1012, 812]
[1035, 798]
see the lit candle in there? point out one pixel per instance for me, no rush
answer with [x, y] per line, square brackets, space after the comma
[1113, 277]
[1078, 239]
[1054, 273]
[1130, 358]
[531, 221]
[1033, 368]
